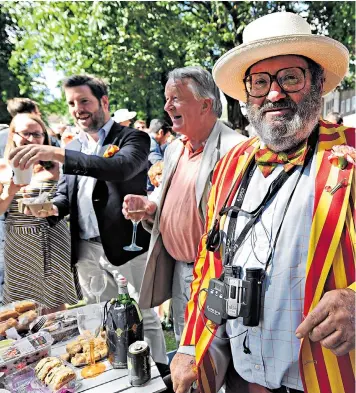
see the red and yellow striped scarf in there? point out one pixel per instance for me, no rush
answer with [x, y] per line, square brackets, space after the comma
[330, 263]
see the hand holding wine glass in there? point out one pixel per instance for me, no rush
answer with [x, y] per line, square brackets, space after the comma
[142, 203]
[136, 211]
[90, 319]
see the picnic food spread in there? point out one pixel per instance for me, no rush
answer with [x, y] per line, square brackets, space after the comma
[53, 373]
[19, 316]
[78, 351]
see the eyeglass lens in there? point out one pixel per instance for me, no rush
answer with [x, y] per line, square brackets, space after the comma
[26, 135]
[290, 80]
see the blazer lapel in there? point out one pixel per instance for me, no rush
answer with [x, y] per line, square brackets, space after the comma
[111, 138]
[169, 172]
[208, 161]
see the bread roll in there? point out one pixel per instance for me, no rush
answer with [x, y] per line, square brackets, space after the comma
[5, 315]
[11, 322]
[25, 305]
[26, 318]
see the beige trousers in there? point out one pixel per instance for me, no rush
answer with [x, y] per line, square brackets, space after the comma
[91, 258]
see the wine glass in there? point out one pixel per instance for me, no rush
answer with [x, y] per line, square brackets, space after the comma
[97, 283]
[90, 319]
[137, 211]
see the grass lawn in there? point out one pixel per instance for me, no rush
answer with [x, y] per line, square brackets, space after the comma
[170, 339]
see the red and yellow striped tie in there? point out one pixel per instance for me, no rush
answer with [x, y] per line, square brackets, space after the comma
[267, 160]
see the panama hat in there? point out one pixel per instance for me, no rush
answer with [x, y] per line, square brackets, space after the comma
[123, 115]
[276, 34]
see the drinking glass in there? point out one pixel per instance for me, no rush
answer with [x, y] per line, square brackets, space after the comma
[90, 319]
[97, 283]
[137, 211]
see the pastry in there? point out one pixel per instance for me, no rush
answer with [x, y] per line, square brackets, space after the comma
[99, 343]
[51, 375]
[11, 322]
[47, 367]
[63, 375]
[3, 328]
[82, 346]
[103, 352]
[5, 315]
[79, 359]
[73, 348]
[42, 362]
[26, 318]
[65, 357]
[24, 306]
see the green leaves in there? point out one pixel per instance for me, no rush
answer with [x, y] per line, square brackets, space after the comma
[133, 44]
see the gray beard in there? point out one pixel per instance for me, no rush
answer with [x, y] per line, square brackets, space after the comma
[287, 131]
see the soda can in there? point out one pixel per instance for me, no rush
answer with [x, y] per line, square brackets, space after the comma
[138, 362]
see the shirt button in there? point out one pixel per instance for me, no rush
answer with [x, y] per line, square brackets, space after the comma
[254, 329]
[257, 367]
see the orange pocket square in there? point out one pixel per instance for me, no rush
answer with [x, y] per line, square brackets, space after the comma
[110, 151]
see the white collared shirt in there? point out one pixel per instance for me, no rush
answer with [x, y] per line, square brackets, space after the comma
[88, 223]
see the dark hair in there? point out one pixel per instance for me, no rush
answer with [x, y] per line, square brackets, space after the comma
[202, 84]
[97, 86]
[21, 105]
[159, 124]
[316, 70]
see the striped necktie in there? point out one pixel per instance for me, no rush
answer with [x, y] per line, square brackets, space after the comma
[267, 160]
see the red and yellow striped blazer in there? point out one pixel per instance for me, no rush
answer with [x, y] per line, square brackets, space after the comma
[330, 263]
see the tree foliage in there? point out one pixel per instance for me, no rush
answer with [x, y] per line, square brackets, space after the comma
[133, 45]
[9, 82]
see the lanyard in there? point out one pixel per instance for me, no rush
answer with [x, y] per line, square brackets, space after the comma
[233, 245]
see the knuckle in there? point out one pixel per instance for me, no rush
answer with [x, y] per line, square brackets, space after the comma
[317, 332]
[313, 318]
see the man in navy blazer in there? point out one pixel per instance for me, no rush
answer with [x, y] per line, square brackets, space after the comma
[106, 162]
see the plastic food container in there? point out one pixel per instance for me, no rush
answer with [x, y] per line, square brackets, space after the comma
[62, 325]
[20, 320]
[37, 208]
[25, 381]
[34, 207]
[25, 351]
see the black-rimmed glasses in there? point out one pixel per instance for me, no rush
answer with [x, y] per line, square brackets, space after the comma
[290, 80]
[27, 135]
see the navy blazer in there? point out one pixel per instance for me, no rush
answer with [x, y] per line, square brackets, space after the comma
[123, 173]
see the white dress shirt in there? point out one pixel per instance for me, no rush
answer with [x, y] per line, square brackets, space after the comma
[88, 223]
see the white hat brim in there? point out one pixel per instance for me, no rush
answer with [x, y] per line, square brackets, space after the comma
[229, 71]
[123, 117]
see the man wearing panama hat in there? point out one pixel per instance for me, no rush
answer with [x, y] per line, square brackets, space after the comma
[282, 203]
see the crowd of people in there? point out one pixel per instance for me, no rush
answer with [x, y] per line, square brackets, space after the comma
[260, 226]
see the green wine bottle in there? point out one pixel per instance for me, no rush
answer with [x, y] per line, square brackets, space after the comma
[123, 297]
